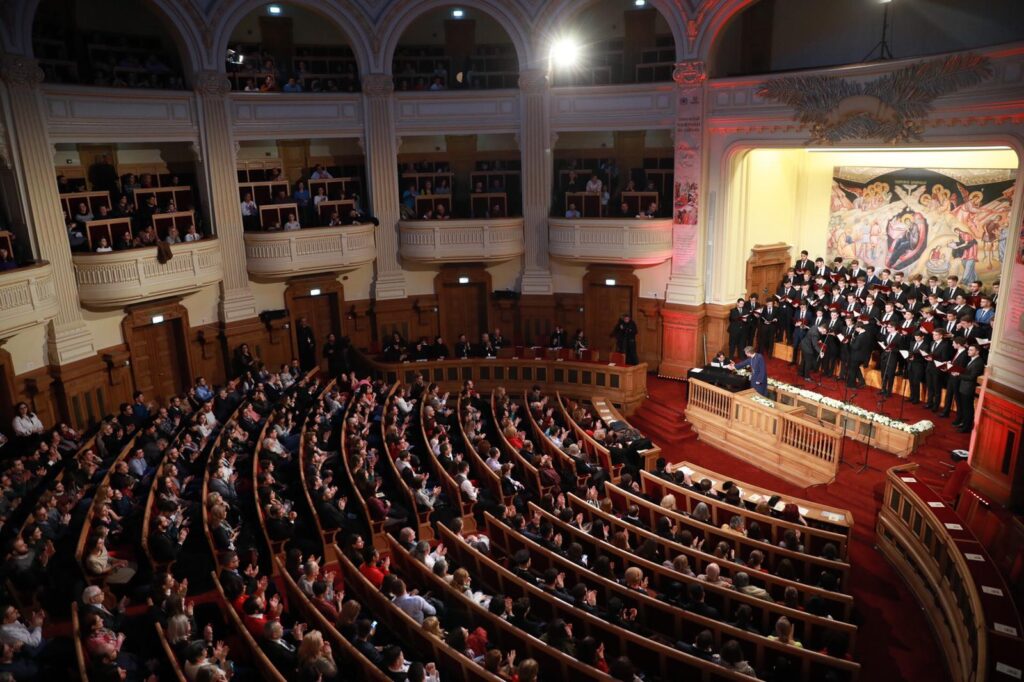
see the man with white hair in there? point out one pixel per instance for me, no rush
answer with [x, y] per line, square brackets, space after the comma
[92, 602]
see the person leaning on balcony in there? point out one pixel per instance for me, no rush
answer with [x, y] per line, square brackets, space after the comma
[440, 213]
[291, 223]
[572, 212]
[7, 261]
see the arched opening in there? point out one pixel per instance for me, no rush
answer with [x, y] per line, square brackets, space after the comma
[784, 35]
[108, 43]
[611, 42]
[452, 48]
[288, 48]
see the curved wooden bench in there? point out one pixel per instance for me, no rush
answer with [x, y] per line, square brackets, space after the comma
[76, 635]
[807, 565]
[814, 539]
[327, 535]
[598, 452]
[455, 664]
[651, 656]
[424, 531]
[544, 444]
[525, 468]
[841, 605]
[553, 663]
[668, 620]
[363, 668]
[807, 627]
[263, 666]
[478, 466]
[448, 483]
[376, 527]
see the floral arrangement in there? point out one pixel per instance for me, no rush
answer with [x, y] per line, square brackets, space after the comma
[923, 426]
[761, 400]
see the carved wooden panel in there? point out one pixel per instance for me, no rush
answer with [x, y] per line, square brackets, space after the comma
[766, 267]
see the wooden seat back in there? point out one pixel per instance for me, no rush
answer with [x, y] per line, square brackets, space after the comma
[524, 467]
[449, 485]
[264, 668]
[424, 531]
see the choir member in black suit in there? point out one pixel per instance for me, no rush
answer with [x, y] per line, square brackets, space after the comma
[860, 353]
[768, 327]
[916, 364]
[625, 338]
[958, 363]
[811, 346]
[968, 384]
[942, 351]
[737, 329]
[888, 360]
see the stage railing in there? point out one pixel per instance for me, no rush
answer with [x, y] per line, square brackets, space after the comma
[775, 437]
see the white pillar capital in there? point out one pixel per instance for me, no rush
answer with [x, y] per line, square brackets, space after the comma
[20, 71]
[211, 83]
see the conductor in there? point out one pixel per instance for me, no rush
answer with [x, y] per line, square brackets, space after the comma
[625, 338]
[758, 370]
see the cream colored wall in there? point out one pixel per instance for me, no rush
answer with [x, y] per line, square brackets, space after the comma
[782, 195]
[28, 349]
[250, 150]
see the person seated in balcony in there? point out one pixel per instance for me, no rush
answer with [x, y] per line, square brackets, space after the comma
[83, 214]
[7, 261]
[428, 215]
[443, 187]
[173, 236]
[292, 224]
[103, 213]
[439, 351]
[124, 208]
[320, 173]
[171, 207]
[478, 188]
[651, 212]
[319, 197]
[594, 184]
[274, 226]
[496, 212]
[300, 197]
[125, 241]
[250, 213]
[268, 84]
[624, 211]
[293, 85]
[440, 213]
[428, 189]
[193, 234]
[335, 220]
[409, 201]
[250, 85]
[572, 212]
[396, 349]
[355, 218]
[147, 236]
[436, 84]
[76, 236]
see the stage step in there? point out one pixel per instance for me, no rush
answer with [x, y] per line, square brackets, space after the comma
[652, 406]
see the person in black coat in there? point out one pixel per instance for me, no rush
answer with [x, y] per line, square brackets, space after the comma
[888, 361]
[737, 329]
[916, 364]
[959, 362]
[625, 338]
[941, 350]
[810, 351]
[336, 354]
[860, 353]
[306, 340]
[965, 391]
[558, 338]
[768, 327]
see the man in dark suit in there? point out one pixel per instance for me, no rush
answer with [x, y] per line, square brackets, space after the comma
[282, 653]
[737, 328]
[463, 348]
[953, 289]
[768, 327]
[695, 603]
[802, 320]
[758, 370]
[306, 339]
[888, 361]
[804, 263]
[958, 363]
[162, 546]
[942, 351]
[916, 365]
[557, 338]
[860, 352]
[810, 351]
[234, 581]
[968, 385]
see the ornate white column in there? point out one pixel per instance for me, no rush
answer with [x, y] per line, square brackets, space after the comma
[535, 141]
[68, 336]
[381, 149]
[686, 282]
[216, 158]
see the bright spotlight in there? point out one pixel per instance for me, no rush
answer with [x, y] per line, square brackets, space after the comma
[639, 3]
[565, 52]
[458, 13]
[274, 9]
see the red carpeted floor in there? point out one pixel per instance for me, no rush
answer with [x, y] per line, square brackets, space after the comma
[894, 640]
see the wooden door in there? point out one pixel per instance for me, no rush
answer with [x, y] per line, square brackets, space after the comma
[604, 305]
[463, 311]
[158, 357]
[321, 312]
[766, 267]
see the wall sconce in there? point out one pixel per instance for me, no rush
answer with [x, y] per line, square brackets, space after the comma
[314, 292]
[157, 319]
[463, 280]
[580, 309]
[609, 282]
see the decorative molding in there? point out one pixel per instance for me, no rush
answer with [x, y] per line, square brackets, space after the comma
[120, 278]
[211, 83]
[690, 74]
[622, 107]
[892, 107]
[28, 296]
[75, 112]
[310, 250]
[377, 85]
[462, 110]
[19, 71]
[294, 115]
[534, 81]
[461, 241]
[625, 242]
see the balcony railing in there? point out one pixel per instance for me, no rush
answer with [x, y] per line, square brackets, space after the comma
[119, 278]
[455, 241]
[599, 240]
[309, 250]
[28, 296]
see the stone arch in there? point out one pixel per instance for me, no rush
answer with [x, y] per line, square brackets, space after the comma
[559, 13]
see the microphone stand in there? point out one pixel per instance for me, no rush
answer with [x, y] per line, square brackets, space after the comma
[881, 401]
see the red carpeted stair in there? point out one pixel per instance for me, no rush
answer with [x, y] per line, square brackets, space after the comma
[894, 640]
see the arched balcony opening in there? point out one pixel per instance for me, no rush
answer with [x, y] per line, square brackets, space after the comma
[455, 48]
[288, 48]
[108, 43]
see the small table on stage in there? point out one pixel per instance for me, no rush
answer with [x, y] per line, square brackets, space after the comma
[718, 376]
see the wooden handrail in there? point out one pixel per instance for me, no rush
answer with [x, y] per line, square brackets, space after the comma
[76, 635]
[451, 487]
[376, 527]
[479, 466]
[327, 536]
[525, 467]
[266, 669]
[424, 531]
[589, 443]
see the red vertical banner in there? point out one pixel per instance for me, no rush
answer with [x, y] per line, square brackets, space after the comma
[689, 77]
